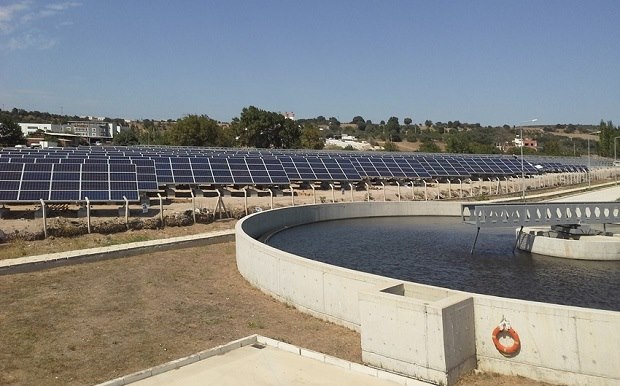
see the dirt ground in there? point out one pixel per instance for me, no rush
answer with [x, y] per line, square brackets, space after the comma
[87, 323]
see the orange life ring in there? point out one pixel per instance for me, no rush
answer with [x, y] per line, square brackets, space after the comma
[507, 350]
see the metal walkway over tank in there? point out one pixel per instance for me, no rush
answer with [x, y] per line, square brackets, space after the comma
[520, 215]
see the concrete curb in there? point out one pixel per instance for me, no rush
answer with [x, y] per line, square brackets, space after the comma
[36, 263]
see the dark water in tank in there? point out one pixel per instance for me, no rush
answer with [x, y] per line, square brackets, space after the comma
[436, 251]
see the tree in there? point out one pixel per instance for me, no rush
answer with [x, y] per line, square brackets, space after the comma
[357, 119]
[360, 122]
[334, 124]
[407, 121]
[607, 135]
[458, 143]
[264, 129]
[428, 146]
[311, 138]
[392, 127]
[289, 136]
[127, 137]
[195, 130]
[390, 146]
[10, 132]
[552, 147]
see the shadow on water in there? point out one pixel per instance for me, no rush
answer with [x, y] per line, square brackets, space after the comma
[436, 251]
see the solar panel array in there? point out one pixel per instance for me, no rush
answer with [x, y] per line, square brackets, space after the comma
[220, 171]
[64, 182]
[556, 167]
[112, 173]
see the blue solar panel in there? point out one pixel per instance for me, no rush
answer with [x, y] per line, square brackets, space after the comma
[163, 168]
[8, 195]
[318, 169]
[80, 169]
[147, 177]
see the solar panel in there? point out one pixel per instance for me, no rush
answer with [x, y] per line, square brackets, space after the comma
[182, 170]
[299, 168]
[10, 180]
[363, 166]
[163, 169]
[36, 181]
[221, 171]
[109, 182]
[276, 171]
[239, 171]
[147, 177]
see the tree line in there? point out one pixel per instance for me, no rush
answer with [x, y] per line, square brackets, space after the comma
[258, 128]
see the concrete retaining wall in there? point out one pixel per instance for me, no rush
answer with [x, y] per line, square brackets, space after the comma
[559, 344]
[320, 289]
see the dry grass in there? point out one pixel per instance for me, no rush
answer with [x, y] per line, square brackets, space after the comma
[21, 248]
[87, 323]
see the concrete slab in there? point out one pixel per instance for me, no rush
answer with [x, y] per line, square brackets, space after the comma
[603, 195]
[250, 365]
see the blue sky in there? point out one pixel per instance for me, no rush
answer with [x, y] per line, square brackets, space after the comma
[490, 62]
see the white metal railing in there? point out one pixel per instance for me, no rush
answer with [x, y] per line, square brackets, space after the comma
[494, 215]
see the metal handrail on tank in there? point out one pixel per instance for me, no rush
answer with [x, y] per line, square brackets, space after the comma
[494, 215]
[520, 215]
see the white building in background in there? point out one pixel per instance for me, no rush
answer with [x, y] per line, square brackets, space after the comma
[348, 140]
[289, 115]
[95, 130]
[89, 129]
[31, 128]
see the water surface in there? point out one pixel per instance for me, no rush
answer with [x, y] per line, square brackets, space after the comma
[436, 251]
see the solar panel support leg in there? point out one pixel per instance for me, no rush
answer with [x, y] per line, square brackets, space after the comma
[161, 210]
[220, 207]
[425, 191]
[367, 193]
[87, 214]
[126, 212]
[473, 247]
[271, 198]
[245, 200]
[382, 184]
[398, 192]
[292, 195]
[313, 192]
[351, 187]
[191, 191]
[44, 216]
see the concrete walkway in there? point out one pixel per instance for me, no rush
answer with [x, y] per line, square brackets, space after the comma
[267, 366]
[603, 195]
[261, 361]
